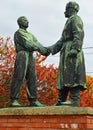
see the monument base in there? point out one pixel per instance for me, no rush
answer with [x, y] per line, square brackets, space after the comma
[46, 118]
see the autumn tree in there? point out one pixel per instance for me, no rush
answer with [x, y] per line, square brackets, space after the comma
[46, 78]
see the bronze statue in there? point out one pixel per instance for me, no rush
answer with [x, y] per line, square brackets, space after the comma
[71, 75]
[25, 45]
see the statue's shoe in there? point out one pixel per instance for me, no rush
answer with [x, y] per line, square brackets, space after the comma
[15, 103]
[36, 104]
[66, 103]
[69, 103]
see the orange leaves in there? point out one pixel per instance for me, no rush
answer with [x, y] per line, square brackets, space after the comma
[45, 73]
[2, 91]
[46, 86]
[6, 60]
[7, 53]
[46, 78]
[90, 85]
[87, 95]
[39, 59]
[46, 94]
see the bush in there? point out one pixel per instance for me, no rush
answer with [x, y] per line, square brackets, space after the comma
[46, 79]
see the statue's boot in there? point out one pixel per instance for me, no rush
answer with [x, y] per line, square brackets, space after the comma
[36, 103]
[15, 103]
[74, 98]
[58, 102]
[70, 103]
[62, 96]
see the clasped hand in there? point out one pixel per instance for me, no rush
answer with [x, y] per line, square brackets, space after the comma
[73, 53]
[47, 51]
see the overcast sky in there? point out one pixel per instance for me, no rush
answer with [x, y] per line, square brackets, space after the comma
[46, 22]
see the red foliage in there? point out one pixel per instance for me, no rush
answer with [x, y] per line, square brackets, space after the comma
[46, 85]
[7, 58]
[87, 95]
[46, 78]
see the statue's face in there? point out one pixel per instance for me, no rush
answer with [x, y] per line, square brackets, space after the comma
[67, 13]
[24, 22]
[71, 8]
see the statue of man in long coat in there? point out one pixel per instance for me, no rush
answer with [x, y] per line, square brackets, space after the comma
[71, 75]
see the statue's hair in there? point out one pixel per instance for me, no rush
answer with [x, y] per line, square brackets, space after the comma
[73, 5]
[21, 19]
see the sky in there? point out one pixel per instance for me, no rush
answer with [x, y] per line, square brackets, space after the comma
[46, 22]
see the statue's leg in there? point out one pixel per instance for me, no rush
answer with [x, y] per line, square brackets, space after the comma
[31, 85]
[31, 79]
[19, 75]
[75, 96]
[63, 93]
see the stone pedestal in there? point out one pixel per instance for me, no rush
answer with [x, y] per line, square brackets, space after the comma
[46, 118]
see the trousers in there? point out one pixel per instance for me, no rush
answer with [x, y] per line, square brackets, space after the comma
[74, 93]
[24, 68]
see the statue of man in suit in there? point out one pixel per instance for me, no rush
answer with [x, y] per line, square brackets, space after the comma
[25, 45]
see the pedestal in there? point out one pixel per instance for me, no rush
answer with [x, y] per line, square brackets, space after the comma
[46, 118]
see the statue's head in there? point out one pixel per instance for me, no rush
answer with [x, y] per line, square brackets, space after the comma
[23, 21]
[71, 7]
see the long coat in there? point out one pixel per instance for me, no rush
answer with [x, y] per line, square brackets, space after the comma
[71, 68]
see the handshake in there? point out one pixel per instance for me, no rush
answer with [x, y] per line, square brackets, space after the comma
[46, 51]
